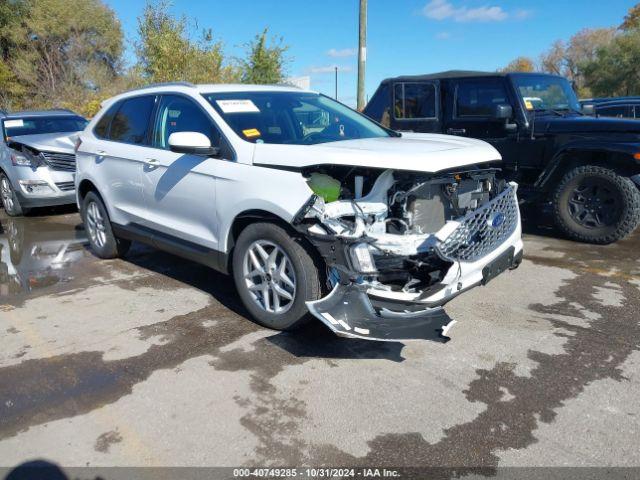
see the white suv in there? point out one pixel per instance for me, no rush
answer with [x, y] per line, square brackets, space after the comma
[310, 205]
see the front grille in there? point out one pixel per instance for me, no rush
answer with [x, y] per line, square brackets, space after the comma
[66, 186]
[483, 230]
[60, 161]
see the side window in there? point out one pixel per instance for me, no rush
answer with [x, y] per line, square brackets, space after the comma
[101, 130]
[378, 107]
[479, 98]
[414, 100]
[179, 114]
[620, 111]
[130, 124]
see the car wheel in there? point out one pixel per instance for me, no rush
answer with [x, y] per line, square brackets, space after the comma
[9, 198]
[98, 227]
[596, 205]
[274, 275]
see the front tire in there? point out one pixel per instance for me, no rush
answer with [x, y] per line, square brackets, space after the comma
[98, 227]
[10, 200]
[274, 275]
[594, 204]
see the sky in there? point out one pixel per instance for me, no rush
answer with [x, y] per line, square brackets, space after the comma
[404, 36]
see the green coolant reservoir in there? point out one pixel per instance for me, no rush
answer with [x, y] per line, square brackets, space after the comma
[326, 187]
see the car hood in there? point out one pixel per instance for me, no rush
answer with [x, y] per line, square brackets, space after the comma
[586, 124]
[48, 142]
[420, 152]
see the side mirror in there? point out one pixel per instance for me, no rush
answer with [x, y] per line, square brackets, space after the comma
[503, 112]
[588, 109]
[194, 143]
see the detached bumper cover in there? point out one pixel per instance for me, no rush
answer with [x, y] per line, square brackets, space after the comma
[348, 311]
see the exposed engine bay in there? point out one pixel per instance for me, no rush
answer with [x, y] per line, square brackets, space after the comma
[397, 244]
[398, 217]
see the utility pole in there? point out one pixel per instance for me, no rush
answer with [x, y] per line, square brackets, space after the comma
[362, 52]
[336, 95]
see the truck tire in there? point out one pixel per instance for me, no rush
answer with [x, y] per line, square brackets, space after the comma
[274, 275]
[10, 200]
[98, 226]
[594, 204]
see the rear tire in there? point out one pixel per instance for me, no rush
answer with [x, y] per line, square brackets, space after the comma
[98, 227]
[269, 264]
[594, 204]
[10, 200]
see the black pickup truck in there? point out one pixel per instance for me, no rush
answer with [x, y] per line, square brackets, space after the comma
[587, 168]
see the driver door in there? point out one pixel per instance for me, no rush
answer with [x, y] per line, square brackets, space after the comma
[180, 189]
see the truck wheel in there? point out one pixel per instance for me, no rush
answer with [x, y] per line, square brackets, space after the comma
[98, 226]
[596, 205]
[274, 276]
[9, 198]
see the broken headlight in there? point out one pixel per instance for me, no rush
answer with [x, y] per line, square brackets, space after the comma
[362, 259]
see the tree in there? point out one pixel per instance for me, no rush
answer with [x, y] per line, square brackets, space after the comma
[166, 51]
[520, 64]
[631, 19]
[264, 64]
[566, 59]
[60, 51]
[614, 70]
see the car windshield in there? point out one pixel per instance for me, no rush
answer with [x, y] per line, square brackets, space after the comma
[297, 118]
[546, 92]
[14, 127]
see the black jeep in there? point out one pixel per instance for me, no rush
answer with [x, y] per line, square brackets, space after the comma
[587, 168]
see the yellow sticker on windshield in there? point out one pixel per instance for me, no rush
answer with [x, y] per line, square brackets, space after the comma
[528, 104]
[251, 132]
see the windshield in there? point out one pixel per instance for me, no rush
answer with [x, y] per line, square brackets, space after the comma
[545, 92]
[297, 118]
[14, 127]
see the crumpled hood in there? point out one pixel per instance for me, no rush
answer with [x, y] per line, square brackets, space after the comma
[49, 142]
[422, 152]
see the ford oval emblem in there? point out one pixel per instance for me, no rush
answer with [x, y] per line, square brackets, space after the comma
[496, 220]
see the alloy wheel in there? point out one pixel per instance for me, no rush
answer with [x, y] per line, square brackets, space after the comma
[96, 225]
[269, 276]
[594, 203]
[7, 194]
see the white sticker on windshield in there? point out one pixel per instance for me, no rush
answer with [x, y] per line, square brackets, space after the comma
[14, 123]
[237, 106]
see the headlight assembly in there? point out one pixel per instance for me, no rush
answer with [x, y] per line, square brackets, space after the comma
[25, 159]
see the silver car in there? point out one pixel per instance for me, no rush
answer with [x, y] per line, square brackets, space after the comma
[37, 159]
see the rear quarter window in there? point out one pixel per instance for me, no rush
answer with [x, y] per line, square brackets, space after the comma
[101, 130]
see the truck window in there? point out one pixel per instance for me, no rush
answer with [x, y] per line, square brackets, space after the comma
[620, 111]
[478, 98]
[414, 100]
[378, 107]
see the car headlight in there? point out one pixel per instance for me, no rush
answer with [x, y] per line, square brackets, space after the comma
[362, 259]
[24, 159]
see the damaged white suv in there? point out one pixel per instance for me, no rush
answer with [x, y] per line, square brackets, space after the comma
[311, 206]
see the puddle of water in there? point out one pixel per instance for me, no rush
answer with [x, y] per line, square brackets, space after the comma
[37, 253]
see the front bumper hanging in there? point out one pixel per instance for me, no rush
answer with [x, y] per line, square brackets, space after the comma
[348, 312]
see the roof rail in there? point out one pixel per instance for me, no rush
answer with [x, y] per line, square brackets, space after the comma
[163, 84]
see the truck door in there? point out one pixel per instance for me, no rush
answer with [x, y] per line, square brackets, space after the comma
[471, 112]
[416, 106]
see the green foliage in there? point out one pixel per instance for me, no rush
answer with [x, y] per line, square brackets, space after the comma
[167, 53]
[265, 63]
[614, 71]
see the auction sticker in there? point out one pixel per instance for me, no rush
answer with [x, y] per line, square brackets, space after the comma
[14, 123]
[237, 106]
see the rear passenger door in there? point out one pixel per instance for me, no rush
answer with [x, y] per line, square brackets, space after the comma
[416, 107]
[120, 151]
[180, 189]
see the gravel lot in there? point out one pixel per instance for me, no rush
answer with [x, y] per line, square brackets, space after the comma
[150, 361]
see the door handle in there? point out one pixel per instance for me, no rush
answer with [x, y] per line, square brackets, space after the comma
[456, 131]
[100, 152]
[152, 162]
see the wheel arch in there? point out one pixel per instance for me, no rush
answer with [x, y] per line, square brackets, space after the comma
[247, 217]
[622, 162]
